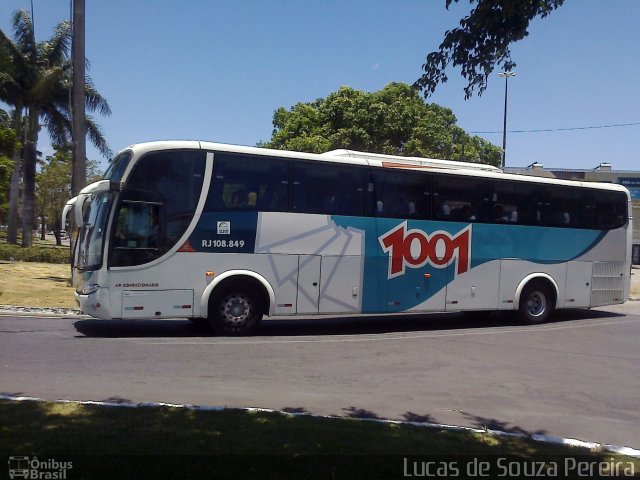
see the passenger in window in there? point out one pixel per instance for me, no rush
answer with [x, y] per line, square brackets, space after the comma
[443, 210]
[499, 215]
[154, 229]
[467, 214]
[238, 199]
[122, 229]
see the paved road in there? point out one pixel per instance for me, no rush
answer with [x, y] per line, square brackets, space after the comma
[576, 377]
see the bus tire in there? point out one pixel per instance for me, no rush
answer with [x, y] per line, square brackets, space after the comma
[236, 310]
[537, 302]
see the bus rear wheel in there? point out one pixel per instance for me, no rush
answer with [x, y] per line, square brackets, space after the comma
[235, 311]
[537, 303]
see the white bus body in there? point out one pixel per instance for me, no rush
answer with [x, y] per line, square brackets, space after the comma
[204, 230]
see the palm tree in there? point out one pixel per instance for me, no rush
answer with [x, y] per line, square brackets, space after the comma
[40, 84]
[13, 85]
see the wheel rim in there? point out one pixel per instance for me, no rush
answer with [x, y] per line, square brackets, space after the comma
[536, 304]
[235, 309]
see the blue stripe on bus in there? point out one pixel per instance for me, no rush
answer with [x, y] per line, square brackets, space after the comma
[399, 286]
[489, 242]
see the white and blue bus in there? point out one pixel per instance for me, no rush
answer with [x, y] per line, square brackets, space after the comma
[229, 234]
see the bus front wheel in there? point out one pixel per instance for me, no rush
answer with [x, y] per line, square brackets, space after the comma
[537, 302]
[236, 310]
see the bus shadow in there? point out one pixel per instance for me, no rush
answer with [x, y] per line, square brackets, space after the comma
[330, 326]
[401, 323]
[178, 328]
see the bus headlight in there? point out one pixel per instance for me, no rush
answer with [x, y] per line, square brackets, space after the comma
[89, 289]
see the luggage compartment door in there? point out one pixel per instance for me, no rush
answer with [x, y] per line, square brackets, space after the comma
[157, 303]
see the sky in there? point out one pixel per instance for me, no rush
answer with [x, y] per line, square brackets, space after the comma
[217, 70]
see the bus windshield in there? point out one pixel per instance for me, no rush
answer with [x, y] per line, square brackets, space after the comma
[117, 167]
[92, 234]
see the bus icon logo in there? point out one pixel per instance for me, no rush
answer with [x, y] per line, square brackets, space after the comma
[224, 228]
[18, 467]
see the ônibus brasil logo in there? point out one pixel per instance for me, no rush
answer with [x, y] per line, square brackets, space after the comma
[415, 248]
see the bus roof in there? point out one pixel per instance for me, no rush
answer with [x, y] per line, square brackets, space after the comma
[370, 159]
[417, 162]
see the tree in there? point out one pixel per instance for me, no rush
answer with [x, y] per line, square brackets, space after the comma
[37, 80]
[8, 144]
[394, 120]
[482, 42]
[13, 85]
[54, 187]
[54, 190]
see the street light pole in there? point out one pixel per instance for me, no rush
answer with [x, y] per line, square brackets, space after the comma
[506, 76]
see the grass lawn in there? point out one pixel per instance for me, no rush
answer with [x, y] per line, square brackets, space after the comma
[166, 442]
[32, 284]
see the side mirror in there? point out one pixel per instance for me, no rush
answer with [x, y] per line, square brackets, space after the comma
[65, 212]
[78, 208]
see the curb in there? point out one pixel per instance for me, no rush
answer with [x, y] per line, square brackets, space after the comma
[552, 439]
[40, 311]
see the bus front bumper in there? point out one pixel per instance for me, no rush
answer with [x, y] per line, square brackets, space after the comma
[95, 304]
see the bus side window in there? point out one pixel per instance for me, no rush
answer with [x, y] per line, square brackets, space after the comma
[566, 207]
[461, 199]
[401, 194]
[328, 189]
[610, 209]
[246, 183]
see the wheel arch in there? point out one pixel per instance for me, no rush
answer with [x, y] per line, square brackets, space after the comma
[238, 275]
[537, 276]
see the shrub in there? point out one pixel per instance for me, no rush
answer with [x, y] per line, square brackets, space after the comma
[37, 253]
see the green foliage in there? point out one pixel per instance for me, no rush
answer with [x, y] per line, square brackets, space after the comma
[6, 167]
[54, 186]
[482, 42]
[36, 253]
[394, 120]
[35, 81]
[8, 144]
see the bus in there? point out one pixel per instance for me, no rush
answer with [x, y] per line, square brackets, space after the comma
[229, 234]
